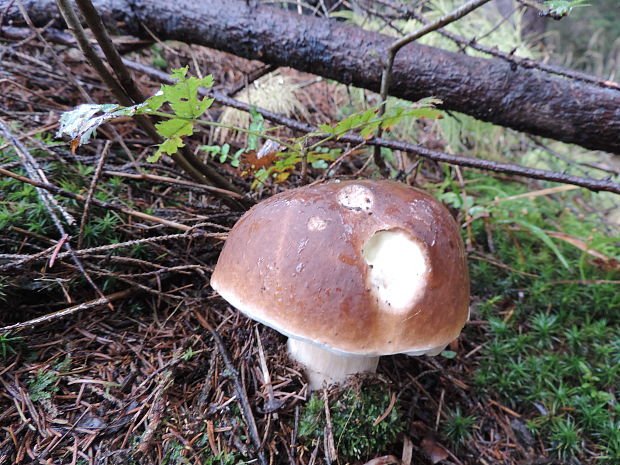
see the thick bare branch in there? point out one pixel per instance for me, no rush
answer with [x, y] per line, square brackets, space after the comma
[492, 90]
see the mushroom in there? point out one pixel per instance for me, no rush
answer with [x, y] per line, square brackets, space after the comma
[349, 271]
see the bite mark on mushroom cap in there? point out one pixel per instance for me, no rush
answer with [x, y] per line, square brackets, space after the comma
[398, 269]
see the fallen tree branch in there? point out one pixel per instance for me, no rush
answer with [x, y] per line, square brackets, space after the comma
[492, 90]
[592, 184]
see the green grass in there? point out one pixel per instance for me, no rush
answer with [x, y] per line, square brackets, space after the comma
[458, 427]
[552, 350]
[8, 343]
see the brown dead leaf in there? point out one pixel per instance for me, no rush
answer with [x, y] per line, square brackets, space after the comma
[435, 451]
[385, 460]
[605, 262]
[264, 157]
[74, 144]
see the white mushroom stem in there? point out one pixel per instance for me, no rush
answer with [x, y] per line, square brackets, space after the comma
[324, 367]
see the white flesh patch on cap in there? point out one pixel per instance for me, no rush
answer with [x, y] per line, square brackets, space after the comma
[316, 223]
[398, 269]
[356, 197]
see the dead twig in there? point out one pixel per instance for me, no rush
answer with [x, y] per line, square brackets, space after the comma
[52, 317]
[517, 60]
[185, 158]
[393, 49]
[30, 165]
[34, 171]
[25, 259]
[111, 206]
[91, 191]
[181, 182]
[241, 394]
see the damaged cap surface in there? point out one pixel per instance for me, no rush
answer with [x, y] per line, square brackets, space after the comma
[359, 267]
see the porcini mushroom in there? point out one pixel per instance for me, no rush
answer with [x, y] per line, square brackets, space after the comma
[349, 271]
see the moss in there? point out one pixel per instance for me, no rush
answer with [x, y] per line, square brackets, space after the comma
[353, 414]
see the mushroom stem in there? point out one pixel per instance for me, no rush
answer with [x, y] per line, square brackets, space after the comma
[325, 367]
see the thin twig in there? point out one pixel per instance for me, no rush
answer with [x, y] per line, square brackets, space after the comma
[60, 63]
[526, 63]
[91, 191]
[393, 49]
[48, 205]
[34, 171]
[328, 432]
[191, 164]
[111, 206]
[241, 394]
[52, 317]
[257, 74]
[93, 19]
[182, 182]
[25, 259]
[75, 26]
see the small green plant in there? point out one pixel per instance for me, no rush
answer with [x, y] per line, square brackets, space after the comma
[175, 453]
[565, 438]
[188, 354]
[222, 153]
[224, 459]
[354, 418]
[44, 384]
[560, 8]
[544, 326]
[158, 57]
[7, 343]
[187, 107]
[458, 427]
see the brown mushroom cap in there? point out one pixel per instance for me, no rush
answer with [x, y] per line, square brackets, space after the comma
[301, 262]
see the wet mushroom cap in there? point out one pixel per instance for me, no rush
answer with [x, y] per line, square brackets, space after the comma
[357, 267]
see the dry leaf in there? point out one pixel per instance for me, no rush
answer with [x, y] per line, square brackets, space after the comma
[435, 451]
[264, 157]
[607, 263]
[385, 460]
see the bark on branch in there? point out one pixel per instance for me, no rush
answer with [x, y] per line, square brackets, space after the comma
[488, 89]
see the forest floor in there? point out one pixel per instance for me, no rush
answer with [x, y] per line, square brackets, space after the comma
[160, 374]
